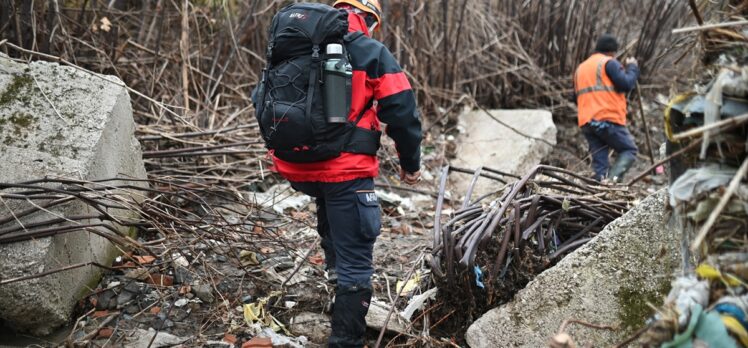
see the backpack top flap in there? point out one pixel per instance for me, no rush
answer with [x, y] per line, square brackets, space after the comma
[298, 27]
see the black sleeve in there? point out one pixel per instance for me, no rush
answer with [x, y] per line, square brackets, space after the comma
[397, 108]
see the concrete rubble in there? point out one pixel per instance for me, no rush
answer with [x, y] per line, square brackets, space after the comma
[607, 281]
[487, 142]
[57, 121]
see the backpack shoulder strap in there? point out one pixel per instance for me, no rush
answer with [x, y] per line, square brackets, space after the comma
[350, 37]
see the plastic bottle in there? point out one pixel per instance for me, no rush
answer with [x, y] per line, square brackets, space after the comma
[338, 75]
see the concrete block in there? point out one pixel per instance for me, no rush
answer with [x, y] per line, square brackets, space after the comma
[487, 142]
[608, 281]
[57, 121]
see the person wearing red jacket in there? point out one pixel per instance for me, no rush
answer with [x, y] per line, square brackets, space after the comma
[347, 207]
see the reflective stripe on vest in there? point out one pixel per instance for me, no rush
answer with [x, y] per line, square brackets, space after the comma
[599, 86]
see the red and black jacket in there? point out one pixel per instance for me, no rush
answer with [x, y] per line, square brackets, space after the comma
[379, 84]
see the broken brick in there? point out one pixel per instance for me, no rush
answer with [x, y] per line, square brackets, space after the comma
[105, 332]
[229, 338]
[258, 342]
[159, 279]
[155, 310]
[100, 314]
[144, 260]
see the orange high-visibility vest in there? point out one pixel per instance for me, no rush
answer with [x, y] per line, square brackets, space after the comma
[597, 98]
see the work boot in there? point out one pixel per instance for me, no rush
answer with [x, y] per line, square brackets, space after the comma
[619, 169]
[349, 316]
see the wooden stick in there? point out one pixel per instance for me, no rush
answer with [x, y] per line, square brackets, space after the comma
[668, 158]
[644, 120]
[184, 45]
[698, 131]
[399, 294]
[710, 26]
[695, 9]
[734, 184]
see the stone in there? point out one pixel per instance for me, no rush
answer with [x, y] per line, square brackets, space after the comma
[377, 315]
[132, 309]
[316, 327]
[204, 292]
[182, 275]
[124, 298]
[486, 142]
[57, 121]
[106, 300]
[607, 281]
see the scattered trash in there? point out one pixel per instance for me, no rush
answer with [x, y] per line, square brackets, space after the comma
[709, 197]
[256, 313]
[248, 258]
[478, 277]
[405, 289]
[417, 302]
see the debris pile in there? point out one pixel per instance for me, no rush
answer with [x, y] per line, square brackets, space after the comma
[708, 140]
[196, 255]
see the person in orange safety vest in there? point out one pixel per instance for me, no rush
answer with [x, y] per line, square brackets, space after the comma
[600, 84]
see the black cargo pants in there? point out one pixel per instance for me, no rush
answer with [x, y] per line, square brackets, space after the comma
[348, 220]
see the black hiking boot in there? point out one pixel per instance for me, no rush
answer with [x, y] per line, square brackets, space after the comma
[349, 317]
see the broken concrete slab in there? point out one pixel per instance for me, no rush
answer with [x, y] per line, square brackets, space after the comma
[315, 326]
[57, 121]
[607, 281]
[489, 141]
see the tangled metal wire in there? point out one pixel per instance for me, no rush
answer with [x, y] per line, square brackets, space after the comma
[548, 213]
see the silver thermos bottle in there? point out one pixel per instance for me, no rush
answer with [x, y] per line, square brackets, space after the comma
[338, 76]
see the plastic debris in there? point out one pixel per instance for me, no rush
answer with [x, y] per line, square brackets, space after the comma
[416, 303]
[478, 277]
[687, 292]
[255, 313]
[707, 327]
[708, 272]
[405, 289]
[696, 181]
[248, 258]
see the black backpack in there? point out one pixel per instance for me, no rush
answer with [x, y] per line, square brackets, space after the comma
[288, 101]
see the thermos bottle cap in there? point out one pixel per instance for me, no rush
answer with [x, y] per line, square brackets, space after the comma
[334, 49]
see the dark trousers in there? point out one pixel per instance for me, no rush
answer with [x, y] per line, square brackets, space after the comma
[348, 220]
[603, 136]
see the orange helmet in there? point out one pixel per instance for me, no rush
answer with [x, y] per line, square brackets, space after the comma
[369, 6]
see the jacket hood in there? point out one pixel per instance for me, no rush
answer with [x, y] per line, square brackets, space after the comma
[357, 23]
